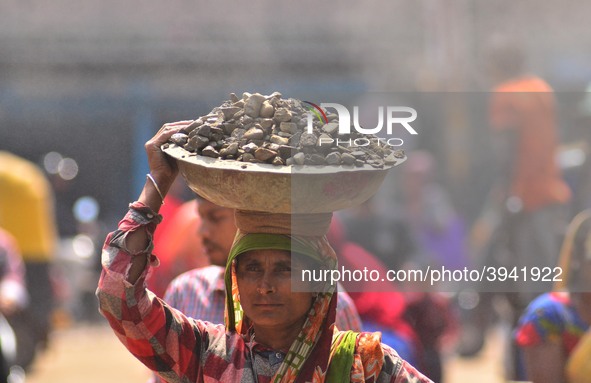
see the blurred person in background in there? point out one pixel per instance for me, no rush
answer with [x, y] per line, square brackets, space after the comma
[553, 333]
[386, 236]
[438, 234]
[525, 215]
[381, 306]
[13, 299]
[27, 212]
[530, 191]
[426, 231]
[13, 290]
[577, 155]
[437, 230]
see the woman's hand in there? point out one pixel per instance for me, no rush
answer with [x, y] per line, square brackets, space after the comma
[162, 167]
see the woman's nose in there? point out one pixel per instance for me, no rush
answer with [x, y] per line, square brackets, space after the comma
[266, 284]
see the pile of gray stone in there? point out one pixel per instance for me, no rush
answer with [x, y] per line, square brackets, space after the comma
[270, 129]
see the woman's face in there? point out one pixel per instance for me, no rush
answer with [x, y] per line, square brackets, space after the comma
[264, 283]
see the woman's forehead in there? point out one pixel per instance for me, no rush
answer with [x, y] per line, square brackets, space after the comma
[271, 256]
[266, 254]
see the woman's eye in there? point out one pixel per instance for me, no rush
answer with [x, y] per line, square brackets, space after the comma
[252, 268]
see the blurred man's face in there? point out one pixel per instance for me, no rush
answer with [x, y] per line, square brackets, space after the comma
[217, 230]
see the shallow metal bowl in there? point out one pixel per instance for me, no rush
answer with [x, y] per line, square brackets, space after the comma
[278, 189]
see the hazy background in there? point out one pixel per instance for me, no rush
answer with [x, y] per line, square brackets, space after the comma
[93, 81]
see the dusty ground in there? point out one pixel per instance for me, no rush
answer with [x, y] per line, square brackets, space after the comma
[92, 354]
[86, 354]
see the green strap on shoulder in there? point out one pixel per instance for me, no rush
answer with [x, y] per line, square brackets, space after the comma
[342, 351]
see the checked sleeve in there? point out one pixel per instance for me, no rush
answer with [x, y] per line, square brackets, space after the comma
[162, 338]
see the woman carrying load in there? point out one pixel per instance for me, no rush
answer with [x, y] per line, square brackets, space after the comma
[271, 335]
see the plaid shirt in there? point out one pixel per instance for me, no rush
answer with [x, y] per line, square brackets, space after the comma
[200, 293]
[181, 349]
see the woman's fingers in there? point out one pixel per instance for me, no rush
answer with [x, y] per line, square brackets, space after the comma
[173, 125]
[164, 134]
[169, 129]
[161, 166]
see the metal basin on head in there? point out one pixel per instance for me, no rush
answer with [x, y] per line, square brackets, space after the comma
[278, 189]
